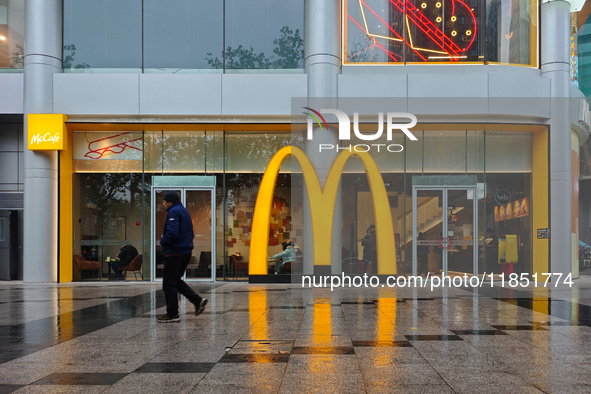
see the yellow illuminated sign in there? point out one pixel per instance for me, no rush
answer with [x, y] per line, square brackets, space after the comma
[322, 203]
[46, 131]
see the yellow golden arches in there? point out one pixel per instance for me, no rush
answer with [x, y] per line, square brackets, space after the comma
[322, 203]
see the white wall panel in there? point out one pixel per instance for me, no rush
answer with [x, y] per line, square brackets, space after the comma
[447, 93]
[255, 94]
[96, 94]
[507, 92]
[181, 94]
[372, 85]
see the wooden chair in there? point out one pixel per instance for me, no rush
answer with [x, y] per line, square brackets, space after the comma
[238, 264]
[87, 265]
[135, 265]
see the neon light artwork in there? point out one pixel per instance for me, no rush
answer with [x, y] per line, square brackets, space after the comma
[112, 145]
[394, 31]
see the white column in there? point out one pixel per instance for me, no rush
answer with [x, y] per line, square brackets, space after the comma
[555, 39]
[322, 50]
[43, 54]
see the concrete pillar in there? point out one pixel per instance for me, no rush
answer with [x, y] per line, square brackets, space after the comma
[555, 41]
[43, 58]
[322, 50]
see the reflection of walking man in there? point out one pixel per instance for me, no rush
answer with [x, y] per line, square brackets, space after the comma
[177, 243]
[370, 252]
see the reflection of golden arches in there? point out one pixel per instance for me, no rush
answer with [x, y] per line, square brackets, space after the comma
[322, 203]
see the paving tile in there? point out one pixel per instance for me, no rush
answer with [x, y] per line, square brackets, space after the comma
[323, 350]
[76, 379]
[175, 368]
[156, 383]
[242, 378]
[382, 343]
[479, 332]
[296, 340]
[515, 327]
[255, 358]
[433, 338]
[9, 388]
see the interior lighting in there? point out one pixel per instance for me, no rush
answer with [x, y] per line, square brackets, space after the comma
[2, 38]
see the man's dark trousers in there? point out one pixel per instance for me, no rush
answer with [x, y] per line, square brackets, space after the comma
[172, 283]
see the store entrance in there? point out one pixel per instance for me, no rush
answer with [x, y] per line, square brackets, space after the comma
[200, 202]
[444, 222]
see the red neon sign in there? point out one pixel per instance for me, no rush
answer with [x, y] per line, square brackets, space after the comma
[434, 30]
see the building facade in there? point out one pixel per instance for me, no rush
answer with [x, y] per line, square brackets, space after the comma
[199, 97]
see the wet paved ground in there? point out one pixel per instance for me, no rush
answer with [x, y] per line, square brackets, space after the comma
[103, 337]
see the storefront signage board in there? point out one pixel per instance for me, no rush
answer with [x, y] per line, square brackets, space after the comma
[46, 131]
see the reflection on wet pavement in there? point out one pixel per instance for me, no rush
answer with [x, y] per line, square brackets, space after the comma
[284, 338]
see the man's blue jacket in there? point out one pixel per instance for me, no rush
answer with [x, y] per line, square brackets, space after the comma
[177, 237]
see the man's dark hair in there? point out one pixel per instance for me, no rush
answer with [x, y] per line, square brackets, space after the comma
[171, 196]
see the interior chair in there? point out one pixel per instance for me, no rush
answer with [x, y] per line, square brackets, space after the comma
[87, 265]
[204, 264]
[286, 268]
[238, 264]
[134, 265]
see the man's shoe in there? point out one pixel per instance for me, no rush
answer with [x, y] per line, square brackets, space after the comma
[201, 307]
[167, 319]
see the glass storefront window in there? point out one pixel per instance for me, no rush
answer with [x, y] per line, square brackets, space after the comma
[102, 36]
[182, 36]
[114, 170]
[247, 156]
[434, 31]
[12, 35]
[175, 151]
[110, 212]
[179, 34]
[262, 34]
[512, 32]
[120, 151]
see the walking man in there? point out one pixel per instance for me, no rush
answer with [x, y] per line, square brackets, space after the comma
[177, 244]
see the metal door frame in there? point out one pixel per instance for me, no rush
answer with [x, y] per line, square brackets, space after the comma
[444, 190]
[153, 229]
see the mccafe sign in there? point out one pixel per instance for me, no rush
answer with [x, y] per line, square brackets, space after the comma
[46, 131]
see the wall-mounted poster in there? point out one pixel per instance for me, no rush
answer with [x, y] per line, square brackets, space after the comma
[513, 210]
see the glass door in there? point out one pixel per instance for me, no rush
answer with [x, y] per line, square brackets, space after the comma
[444, 221]
[460, 231]
[428, 232]
[199, 202]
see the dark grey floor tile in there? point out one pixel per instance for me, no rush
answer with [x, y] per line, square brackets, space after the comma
[255, 358]
[519, 328]
[175, 368]
[323, 350]
[555, 323]
[433, 338]
[76, 379]
[288, 307]
[381, 344]
[9, 388]
[479, 332]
